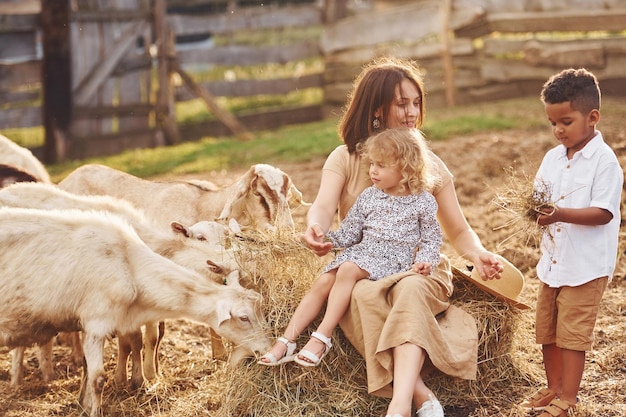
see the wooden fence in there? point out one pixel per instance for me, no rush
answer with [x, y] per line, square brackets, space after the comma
[128, 72]
[470, 50]
[498, 49]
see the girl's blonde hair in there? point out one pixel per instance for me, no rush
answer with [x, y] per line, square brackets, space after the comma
[407, 149]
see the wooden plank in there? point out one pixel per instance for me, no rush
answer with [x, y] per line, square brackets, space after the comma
[133, 63]
[372, 28]
[126, 110]
[18, 45]
[357, 56]
[17, 75]
[590, 55]
[103, 68]
[19, 22]
[110, 33]
[87, 50]
[119, 14]
[17, 117]
[255, 121]
[246, 88]
[93, 146]
[19, 96]
[504, 70]
[222, 115]
[232, 55]
[131, 86]
[576, 20]
[266, 17]
[493, 46]
[20, 7]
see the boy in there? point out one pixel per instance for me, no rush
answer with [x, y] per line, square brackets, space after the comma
[579, 245]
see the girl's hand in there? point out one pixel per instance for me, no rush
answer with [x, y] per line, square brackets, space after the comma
[313, 238]
[422, 268]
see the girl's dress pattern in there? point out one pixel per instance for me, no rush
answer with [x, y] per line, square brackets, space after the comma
[385, 234]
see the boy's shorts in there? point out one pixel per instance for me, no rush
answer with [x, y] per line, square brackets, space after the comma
[567, 315]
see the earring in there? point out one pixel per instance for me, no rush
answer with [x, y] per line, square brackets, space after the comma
[376, 123]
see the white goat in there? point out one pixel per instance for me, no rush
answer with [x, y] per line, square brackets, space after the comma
[22, 158]
[10, 174]
[89, 271]
[187, 252]
[259, 199]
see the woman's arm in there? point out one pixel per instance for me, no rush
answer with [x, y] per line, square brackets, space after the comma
[462, 237]
[322, 211]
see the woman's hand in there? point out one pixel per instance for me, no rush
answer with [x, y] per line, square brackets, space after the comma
[313, 238]
[488, 266]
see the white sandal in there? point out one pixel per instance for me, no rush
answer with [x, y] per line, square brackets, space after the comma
[314, 360]
[287, 357]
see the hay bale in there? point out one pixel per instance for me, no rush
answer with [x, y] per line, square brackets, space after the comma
[284, 271]
[498, 371]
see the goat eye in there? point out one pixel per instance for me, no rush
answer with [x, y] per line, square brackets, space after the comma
[244, 318]
[201, 238]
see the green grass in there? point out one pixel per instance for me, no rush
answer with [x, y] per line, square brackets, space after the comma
[298, 143]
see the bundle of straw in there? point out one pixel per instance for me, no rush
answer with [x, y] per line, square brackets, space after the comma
[522, 199]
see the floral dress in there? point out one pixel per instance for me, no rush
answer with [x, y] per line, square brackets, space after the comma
[385, 234]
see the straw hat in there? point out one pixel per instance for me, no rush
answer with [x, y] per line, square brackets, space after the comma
[507, 288]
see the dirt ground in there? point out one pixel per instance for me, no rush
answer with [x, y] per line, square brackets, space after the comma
[479, 164]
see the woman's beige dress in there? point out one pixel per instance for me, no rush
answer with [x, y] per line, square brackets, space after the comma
[405, 307]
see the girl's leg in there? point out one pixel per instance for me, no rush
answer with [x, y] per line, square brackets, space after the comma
[347, 276]
[308, 309]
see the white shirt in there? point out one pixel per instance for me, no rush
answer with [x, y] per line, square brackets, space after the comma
[574, 254]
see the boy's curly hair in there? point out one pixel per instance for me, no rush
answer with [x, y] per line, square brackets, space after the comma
[407, 149]
[578, 86]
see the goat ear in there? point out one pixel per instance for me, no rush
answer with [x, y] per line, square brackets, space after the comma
[240, 190]
[223, 312]
[213, 267]
[295, 197]
[233, 226]
[180, 228]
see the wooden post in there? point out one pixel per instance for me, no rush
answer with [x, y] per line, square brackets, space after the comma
[446, 52]
[335, 10]
[56, 78]
[165, 109]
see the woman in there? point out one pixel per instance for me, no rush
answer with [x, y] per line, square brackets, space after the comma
[392, 321]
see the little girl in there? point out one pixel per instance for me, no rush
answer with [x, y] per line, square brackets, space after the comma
[392, 227]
